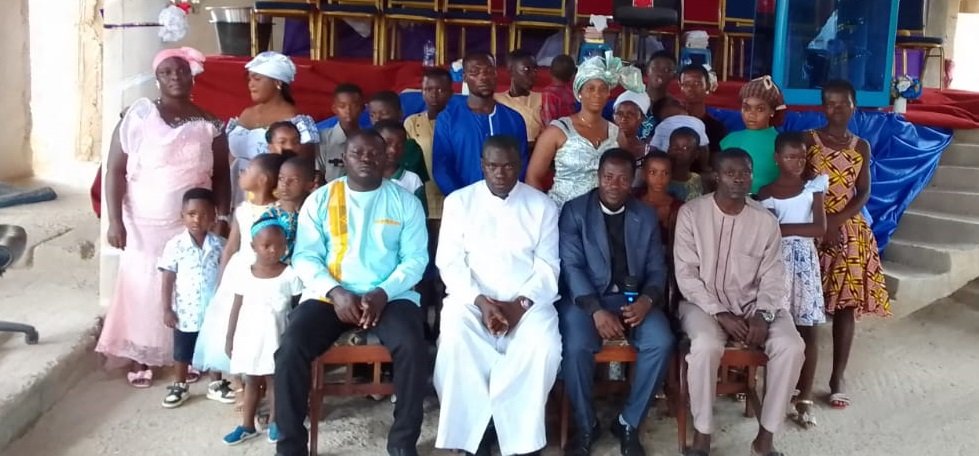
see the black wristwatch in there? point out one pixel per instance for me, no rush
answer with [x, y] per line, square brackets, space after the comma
[766, 315]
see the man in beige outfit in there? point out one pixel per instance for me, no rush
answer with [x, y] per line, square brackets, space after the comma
[727, 252]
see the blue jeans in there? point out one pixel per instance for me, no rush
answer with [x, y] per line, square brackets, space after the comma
[653, 340]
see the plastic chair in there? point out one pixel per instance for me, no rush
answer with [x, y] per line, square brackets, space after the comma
[13, 242]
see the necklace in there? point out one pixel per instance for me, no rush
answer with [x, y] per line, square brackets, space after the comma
[588, 126]
[845, 139]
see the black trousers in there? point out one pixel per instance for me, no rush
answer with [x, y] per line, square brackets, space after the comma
[313, 328]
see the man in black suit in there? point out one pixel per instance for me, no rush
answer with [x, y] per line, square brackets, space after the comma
[613, 277]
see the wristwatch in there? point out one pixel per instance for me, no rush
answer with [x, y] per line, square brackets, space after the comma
[525, 303]
[766, 315]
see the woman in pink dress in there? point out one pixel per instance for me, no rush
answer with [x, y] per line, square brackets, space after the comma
[160, 149]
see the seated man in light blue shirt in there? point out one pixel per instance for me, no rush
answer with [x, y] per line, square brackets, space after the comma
[361, 246]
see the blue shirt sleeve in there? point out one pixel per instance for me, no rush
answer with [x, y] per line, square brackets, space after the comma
[443, 155]
[310, 252]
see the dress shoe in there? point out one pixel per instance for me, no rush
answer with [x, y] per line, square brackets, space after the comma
[628, 439]
[583, 441]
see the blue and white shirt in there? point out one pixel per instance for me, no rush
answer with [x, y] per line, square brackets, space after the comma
[197, 276]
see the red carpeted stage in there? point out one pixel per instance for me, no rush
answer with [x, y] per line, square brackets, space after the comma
[222, 90]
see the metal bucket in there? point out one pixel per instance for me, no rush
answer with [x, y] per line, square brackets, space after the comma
[233, 26]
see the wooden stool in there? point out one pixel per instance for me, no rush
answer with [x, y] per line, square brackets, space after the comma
[727, 384]
[373, 354]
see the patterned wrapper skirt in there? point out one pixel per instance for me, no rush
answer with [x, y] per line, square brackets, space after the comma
[803, 281]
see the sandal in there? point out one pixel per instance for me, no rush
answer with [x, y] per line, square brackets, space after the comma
[839, 401]
[805, 419]
[140, 379]
[193, 375]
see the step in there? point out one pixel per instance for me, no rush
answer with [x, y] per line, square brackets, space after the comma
[967, 136]
[911, 288]
[948, 201]
[931, 258]
[938, 226]
[961, 154]
[956, 178]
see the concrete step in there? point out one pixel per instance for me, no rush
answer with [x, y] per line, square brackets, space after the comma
[956, 178]
[967, 136]
[935, 226]
[920, 272]
[961, 154]
[948, 201]
[931, 258]
[912, 288]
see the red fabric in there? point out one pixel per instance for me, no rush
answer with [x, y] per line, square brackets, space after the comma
[702, 11]
[222, 90]
[642, 3]
[596, 7]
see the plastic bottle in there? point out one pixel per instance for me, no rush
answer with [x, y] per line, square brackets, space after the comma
[428, 58]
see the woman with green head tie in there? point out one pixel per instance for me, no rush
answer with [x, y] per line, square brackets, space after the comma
[575, 143]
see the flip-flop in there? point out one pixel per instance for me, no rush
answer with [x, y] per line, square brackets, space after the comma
[839, 401]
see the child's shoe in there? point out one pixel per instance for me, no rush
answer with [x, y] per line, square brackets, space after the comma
[177, 394]
[273, 433]
[221, 391]
[239, 434]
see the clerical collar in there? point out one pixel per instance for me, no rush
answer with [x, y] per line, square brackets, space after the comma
[608, 211]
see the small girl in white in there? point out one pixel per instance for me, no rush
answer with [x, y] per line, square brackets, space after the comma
[798, 205]
[264, 292]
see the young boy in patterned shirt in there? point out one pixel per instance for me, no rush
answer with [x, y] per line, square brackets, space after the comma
[190, 264]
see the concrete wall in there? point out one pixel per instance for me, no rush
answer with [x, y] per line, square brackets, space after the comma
[15, 92]
[942, 19]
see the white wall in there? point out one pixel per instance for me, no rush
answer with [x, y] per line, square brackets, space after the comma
[15, 92]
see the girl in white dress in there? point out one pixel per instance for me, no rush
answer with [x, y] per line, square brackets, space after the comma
[259, 181]
[263, 294]
[798, 204]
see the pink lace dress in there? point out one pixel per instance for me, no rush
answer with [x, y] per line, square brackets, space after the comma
[163, 163]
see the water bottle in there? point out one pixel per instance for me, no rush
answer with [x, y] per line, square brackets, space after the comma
[428, 57]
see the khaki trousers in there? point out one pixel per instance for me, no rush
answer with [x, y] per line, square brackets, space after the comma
[785, 350]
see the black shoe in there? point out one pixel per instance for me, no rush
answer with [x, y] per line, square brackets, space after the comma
[583, 441]
[402, 452]
[628, 439]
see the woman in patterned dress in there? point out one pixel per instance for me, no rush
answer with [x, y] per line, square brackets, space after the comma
[853, 280]
[160, 149]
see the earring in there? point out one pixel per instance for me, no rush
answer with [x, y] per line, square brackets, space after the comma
[157, 85]
[278, 87]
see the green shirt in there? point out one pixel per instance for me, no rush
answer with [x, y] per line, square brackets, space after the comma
[760, 145]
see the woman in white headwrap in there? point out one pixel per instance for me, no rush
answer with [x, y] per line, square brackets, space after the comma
[575, 143]
[270, 75]
[161, 149]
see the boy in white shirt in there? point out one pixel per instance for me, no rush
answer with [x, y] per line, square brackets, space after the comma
[395, 135]
[189, 263]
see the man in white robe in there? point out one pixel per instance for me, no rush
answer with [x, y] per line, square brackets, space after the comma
[500, 347]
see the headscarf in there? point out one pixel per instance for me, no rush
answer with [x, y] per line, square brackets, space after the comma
[765, 89]
[268, 221]
[609, 69]
[192, 56]
[274, 65]
[640, 99]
